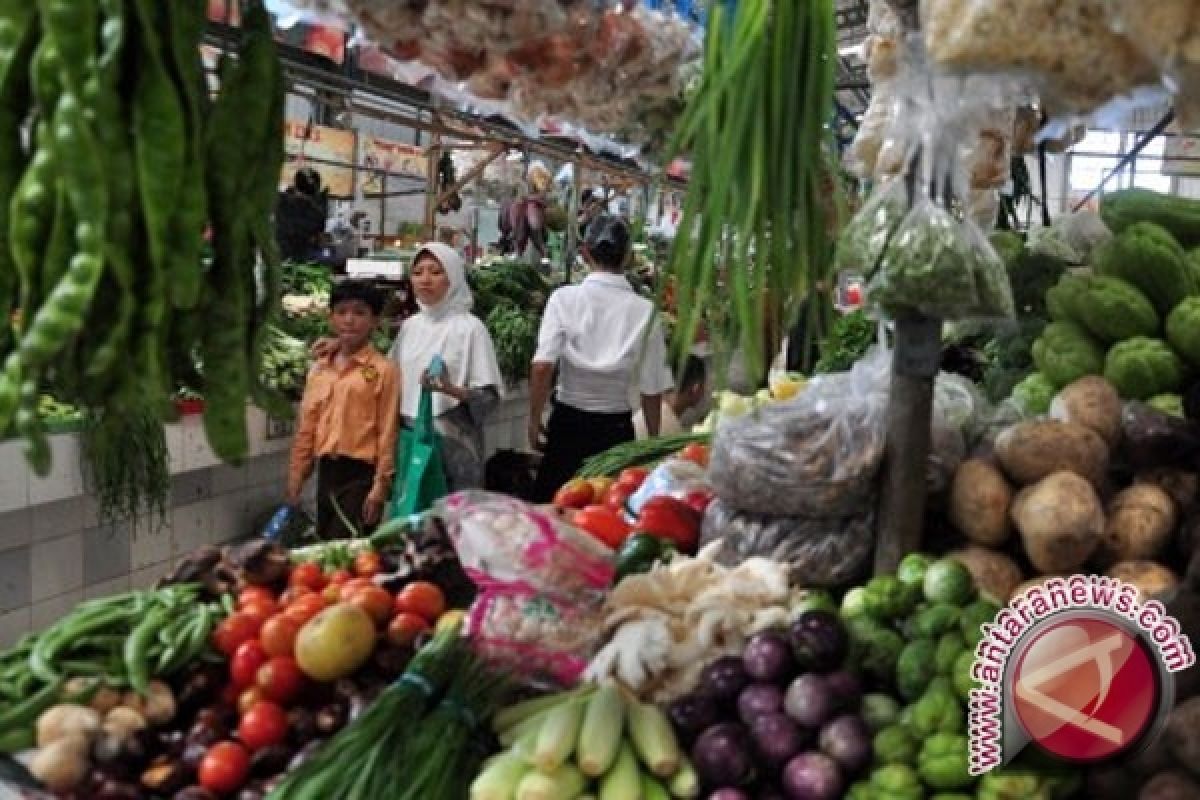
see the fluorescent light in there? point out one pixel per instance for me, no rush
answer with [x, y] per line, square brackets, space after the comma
[850, 49]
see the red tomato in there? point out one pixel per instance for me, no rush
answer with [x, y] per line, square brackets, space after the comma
[250, 698]
[339, 577]
[233, 631]
[632, 478]
[260, 611]
[604, 524]
[308, 575]
[263, 725]
[699, 499]
[253, 595]
[224, 767]
[696, 453]
[305, 608]
[375, 601]
[292, 594]
[230, 694]
[422, 598]
[278, 635]
[281, 679]
[367, 563]
[616, 498]
[246, 661]
[405, 628]
[575, 493]
[353, 585]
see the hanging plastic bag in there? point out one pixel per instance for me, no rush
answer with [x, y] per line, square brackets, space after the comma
[509, 541]
[1168, 33]
[862, 243]
[817, 455]
[819, 552]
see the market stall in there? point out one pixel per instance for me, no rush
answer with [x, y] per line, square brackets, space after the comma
[797, 599]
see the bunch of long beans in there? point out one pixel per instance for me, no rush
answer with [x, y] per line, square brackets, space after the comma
[755, 218]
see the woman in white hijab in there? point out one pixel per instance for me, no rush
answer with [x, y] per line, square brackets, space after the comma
[469, 388]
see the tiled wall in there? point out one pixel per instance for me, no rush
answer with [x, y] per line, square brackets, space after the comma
[54, 552]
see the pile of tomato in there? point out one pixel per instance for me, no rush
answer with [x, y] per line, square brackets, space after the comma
[259, 639]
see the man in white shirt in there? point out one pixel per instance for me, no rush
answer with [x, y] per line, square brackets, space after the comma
[603, 339]
[691, 391]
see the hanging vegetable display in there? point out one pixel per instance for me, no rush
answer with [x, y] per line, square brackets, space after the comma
[127, 164]
[755, 220]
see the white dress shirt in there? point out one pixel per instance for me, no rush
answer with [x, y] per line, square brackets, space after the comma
[605, 340]
[669, 426]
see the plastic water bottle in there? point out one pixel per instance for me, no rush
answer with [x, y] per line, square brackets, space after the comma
[278, 523]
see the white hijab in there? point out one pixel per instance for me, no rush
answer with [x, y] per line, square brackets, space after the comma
[450, 330]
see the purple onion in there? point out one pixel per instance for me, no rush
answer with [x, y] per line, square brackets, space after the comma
[768, 658]
[758, 699]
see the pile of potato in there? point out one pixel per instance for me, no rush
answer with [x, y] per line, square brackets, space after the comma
[1049, 482]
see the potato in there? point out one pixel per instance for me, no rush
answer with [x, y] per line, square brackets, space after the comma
[1140, 522]
[1029, 451]
[1093, 403]
[1025, 586]
[1180, 484]
[1061, 522]
[979, 500]
[995, 574]
[1173, 785]
[1183, 733]
[1151, 578]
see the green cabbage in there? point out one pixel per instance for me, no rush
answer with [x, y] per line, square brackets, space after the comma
[1141, 367]
[1114, 310]
[1064, 353]
[1183, 329]
[1149, 257]
[1034, 394]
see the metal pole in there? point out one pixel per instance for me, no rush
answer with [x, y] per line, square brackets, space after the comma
[1126, 159]
[573, 219]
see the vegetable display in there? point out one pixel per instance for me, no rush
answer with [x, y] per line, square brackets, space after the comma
[126, 165]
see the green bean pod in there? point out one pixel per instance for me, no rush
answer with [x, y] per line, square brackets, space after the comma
[18, 38]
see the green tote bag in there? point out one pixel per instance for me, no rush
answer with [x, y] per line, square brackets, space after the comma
[420, 475]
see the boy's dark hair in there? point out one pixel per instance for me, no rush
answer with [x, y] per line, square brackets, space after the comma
[607, 241]
[363, 291]
[694, 373]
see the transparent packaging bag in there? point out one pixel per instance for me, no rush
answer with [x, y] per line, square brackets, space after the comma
[544, 638]
[1065, 49]
[508, 540]
[865, 238]
[819, 552]
[817, 455]
[1168, 33]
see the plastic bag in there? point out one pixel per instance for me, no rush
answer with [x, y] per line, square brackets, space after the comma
[1082, 231]
[816, 455]
[863, 156]
[864, 240]
[958, 413]
[673, 478]
[1168, 33]
[510, 541]
[818, 551]
[544, 637]
[940, 267]
[1064, 47]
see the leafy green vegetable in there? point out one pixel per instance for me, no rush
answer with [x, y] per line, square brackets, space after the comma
[848, 341]
[514, 334]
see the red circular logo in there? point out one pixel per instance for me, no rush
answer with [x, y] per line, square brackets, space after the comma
[1085, 689]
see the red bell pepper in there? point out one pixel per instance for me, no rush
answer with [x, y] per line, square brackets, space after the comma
[672, 520]
[604, 525]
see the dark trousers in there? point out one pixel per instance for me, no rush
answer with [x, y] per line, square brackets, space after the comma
[572, 437]
[345, 482]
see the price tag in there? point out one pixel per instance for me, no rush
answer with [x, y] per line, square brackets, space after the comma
[850, 292]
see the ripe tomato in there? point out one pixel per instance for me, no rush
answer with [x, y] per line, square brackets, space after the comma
[233, 631]
[292, 594]
[375, 601]
[278, 635]
[600, 487]
[632, 478]
[575, 493]
[353, 585]
[405, 628]
[246, 661]
[339, 577]
[224, 767]
[309, 575]
[604, 525]
[616, 498]
[305, 608]
[250, 698]
[280, 679]
[422, 598]
[367, 563]
[265, 724]
[696, 453]
[259, 611]
[253, 595]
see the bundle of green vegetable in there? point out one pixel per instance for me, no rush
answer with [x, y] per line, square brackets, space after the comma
[514, 334]
[310, 279]
[755, 220]
[507, 283]
[285, 363]
[127, 164]
[639, 453]
[121, 641]
[127, 463]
